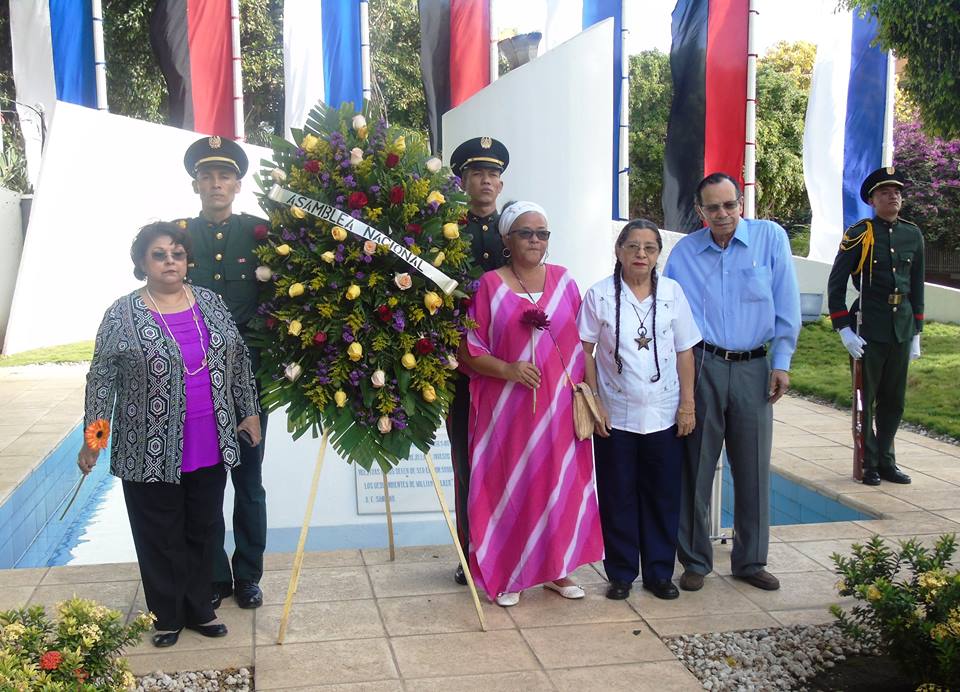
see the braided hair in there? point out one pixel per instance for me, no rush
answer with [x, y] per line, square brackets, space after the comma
[618, 288]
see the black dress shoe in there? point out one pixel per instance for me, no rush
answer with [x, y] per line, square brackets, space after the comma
[871, 477]
[895, 475]
[662, 588]
[248, 594]
[459, 576]
[219, 591]
[164, 639]
[217, 630]
[618, 590]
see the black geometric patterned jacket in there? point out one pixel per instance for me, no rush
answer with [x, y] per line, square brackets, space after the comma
[136, 381]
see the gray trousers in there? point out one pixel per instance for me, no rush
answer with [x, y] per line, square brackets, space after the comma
[732, 407]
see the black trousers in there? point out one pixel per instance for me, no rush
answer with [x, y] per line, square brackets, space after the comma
[458, 419]
[638, 489]
[249, 511]
[884, 390]
[171, 526]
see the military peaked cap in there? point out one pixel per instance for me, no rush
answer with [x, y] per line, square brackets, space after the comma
[218, 151]
[480, 152]
[881, 176]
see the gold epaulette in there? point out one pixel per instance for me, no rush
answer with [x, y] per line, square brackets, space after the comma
[908, 221]
[182, 223]
[865, 240]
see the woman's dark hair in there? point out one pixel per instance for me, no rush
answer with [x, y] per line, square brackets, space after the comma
[631, 226]
[148, 234]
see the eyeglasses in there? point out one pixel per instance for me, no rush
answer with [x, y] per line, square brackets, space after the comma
[527, 234]
[161, 256]
[634, 248]
[726, 206]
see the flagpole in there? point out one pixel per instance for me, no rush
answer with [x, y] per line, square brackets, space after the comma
[99, 59]
[888, 116]
[237, 72]
[494, 45]
[623, 172]
[365, 48]
[750, 147]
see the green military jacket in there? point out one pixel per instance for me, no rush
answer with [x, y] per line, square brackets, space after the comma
[486, 245]
[223, 260]
[886, 263]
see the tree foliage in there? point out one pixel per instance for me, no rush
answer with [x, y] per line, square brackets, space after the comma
[651, 92]
[927, 34]
[395, 52]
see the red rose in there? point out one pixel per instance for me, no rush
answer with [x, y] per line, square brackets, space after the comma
[462, 221]
[320, 338]
[392, 160]
[384, 313]
[396, 194]
[271, 322]
[466, 302]
[357, 200]
[260, 231]
[424, 346]
[312, 166]
[50, 660]
[414, 228]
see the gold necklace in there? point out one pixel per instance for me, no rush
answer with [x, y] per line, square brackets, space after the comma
[196, 323]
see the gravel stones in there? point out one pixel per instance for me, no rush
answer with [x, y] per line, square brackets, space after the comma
[231, 680]
[764, 659]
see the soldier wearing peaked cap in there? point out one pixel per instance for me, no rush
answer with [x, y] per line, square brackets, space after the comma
[224, 261]
[883, 256]
[479, 162]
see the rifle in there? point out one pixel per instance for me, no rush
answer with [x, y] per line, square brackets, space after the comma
[857, 412]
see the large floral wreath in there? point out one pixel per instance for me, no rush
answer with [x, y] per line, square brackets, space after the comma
[356, 339]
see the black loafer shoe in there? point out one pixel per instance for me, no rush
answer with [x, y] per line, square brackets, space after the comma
[165, 639]
[217, 630]
[662, 588]
[459, 576]
[219, 591]
[760, 580]
[618, 590]
[691, 581]
[871, 477]
[894, 475]
[248, 594]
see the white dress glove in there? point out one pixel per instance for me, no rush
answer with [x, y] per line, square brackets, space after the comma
[915, 347]
[852, 342]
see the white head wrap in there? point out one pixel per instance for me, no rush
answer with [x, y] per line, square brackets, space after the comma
[514, 211]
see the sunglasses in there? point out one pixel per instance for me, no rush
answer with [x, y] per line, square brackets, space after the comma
[634, 248]
[161, 256]
[726, 206]
[527, 234]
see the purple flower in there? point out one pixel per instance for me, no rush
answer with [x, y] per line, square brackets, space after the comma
[366, 259]
[360, 275]
[374, 189]
[399, 321]
[355, 377]
[340, 200]
[349, 181]
[408, 241]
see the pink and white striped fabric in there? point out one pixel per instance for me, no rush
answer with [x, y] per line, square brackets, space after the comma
[533, 503]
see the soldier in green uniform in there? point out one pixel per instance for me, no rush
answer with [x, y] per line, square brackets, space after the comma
[884, 258]
[224, 261]
[479, 162]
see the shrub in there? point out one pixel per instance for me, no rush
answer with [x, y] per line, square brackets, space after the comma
[908, 605]
[80, 652]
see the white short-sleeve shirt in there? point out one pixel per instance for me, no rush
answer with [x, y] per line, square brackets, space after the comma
[636, 404]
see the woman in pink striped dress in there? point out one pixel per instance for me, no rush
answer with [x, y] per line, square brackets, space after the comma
[533, 505]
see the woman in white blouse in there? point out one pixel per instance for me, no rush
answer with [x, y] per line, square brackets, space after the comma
[638, 332]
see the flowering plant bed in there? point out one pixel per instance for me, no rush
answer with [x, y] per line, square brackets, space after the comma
[366, 285]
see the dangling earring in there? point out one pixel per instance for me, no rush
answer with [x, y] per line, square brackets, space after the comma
[506, 253]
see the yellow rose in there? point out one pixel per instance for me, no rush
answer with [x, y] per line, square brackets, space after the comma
[400, 144]
[295, 290]
[328, 257]
[339, 234]
[309, 142]
[355, 351]
[340, 398]
[429, 393]
[362, 132]
[438, 260]
[435, 196]
[283, 250]
[353, 292]
[451, 231]
[294, 328]
[432, 302]
[298, 212]
[408, 361]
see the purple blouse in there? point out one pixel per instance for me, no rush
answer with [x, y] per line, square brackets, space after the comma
[201, 448]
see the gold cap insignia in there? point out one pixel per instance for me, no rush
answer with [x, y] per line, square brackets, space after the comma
[486, 142]
[890, 170]
[214, 142]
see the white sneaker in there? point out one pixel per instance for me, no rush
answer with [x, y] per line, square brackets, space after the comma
[508, 598]
[572, 591]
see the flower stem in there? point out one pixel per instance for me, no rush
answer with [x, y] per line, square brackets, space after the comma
[533, 360]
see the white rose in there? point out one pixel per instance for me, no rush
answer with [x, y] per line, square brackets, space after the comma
[278, 175]
[434, 164]
[356, 156]
[452, 362]
[264, 273]
[403, 281]
[384, 424]
[358, 122]
[369, 247]
[293, 371]
[378, 378]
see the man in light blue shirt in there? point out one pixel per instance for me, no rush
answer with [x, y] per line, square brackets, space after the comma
[739, 279]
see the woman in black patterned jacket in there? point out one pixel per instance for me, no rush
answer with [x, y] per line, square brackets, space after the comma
[172, 372]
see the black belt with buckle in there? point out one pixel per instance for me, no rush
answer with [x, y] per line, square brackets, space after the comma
[733, 356]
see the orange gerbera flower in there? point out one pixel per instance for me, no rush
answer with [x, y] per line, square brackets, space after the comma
[97, 434]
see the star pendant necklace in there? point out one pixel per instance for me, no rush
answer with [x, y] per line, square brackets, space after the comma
[643, 341]
[196, 323]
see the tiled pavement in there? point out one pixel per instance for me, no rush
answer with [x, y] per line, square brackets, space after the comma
[362, 623]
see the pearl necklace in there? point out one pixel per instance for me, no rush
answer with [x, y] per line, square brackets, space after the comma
[196, 323]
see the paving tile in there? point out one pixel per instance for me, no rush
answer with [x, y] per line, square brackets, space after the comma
[878, 503]
[117, 595]
[320, 621]
[32, 444]
[124, 571]
[663, 676]
[441, 553]
[818, 532]
[951, 514]
[816, 453]
[369, 686]
[934, 499]
[146, 659]
[462, 653]
[716, 597]
[597, 644]
[440, 613]
[239, 623]
[781, 557]
[528, 681]
[412, 579]
[12, 597]
[21, 577]
[709, 622]
[820, 551]
[339, 662]
[333, 558]
[800, 590]
[910, 523]
[323, 584]
[806, 616]
[539, 607]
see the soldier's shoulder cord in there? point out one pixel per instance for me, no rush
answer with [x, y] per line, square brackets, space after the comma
[864, 240]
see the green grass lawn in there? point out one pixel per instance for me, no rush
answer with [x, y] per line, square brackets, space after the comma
[66, 353]
[821, 368]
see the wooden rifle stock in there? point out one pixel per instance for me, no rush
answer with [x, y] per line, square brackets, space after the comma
[857, 419]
